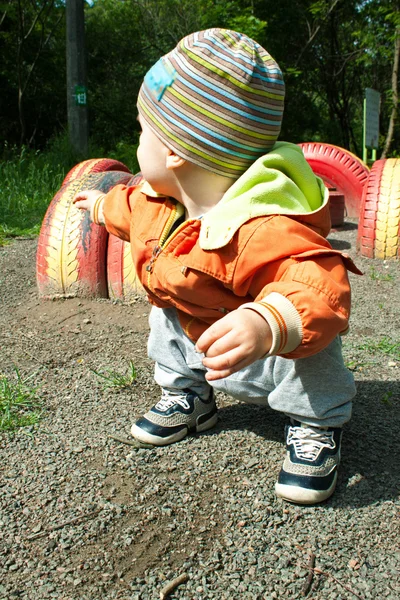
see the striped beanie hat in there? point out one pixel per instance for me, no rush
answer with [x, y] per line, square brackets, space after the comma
[215, 100]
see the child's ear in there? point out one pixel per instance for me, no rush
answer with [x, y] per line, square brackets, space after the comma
[173, 161]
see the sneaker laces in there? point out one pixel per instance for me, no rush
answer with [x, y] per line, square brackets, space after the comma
[309, 441]
[169, 399]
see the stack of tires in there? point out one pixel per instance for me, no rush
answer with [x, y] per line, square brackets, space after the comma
[76, 257]
[371, 196]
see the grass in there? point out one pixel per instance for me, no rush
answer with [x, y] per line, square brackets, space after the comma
[114, 379]
[29, 179]
[356, 365]
[387, 398]
[384, 346]
[19, 405]
[375, 276]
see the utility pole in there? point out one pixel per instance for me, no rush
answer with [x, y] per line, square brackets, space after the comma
[76, 77]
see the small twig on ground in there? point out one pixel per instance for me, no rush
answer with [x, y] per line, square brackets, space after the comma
[34, 338]
[122, 440]
[73, 521]
[308, 583]
[29, 354]
[129, 442]
[169, 587]
[73, 315]
[317, 571]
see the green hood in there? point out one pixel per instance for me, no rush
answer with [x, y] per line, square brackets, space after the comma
[279, 183]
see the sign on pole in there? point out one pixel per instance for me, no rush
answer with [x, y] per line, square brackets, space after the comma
[372, 103]
[80, 95]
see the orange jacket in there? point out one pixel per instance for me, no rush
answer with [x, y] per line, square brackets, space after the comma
[279, 265]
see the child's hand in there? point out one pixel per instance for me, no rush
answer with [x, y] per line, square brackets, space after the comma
[85, 199]
[234, 342]
[90, 200]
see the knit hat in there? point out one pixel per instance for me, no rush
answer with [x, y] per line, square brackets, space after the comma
[215, 100]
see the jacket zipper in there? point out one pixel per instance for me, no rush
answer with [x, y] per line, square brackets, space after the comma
[163, 242]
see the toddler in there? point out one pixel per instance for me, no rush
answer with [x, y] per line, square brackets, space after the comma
[228, 236]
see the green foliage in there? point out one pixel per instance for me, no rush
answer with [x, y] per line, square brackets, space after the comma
[329, 51]
[32, 71]
[27, 183]
[29, 179]
[376, 276]
[387, 398]
[384, 346]
[19, 405]
[114, 379]
[125, 152]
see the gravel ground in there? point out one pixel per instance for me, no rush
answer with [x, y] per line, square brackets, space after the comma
[86, 517]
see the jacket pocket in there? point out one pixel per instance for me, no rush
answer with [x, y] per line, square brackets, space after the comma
[326, 252]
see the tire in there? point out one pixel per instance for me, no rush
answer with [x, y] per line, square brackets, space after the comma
[123, 283]
[71, 255]
[122, 280]
[379, 224]
[341, 170]
[136, 179]
[94, 165]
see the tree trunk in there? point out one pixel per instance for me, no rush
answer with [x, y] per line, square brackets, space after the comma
[395, 95]
[76, 77]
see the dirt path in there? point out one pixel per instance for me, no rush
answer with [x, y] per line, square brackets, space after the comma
[84, 516]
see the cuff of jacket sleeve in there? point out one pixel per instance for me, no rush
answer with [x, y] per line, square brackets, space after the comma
[96, 214]
[283, 319]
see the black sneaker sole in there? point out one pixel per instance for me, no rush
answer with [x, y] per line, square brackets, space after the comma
[178, 434]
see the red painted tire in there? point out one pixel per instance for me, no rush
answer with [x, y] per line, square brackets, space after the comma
[123, 283]
[379, 224]
[136, 179]
[341, 170]
[71, 255]
[94, 165]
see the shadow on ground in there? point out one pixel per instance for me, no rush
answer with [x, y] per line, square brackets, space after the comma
[370, 469]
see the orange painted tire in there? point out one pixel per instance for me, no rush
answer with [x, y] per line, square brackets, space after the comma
[71, 255]
[94, 165]
[123, 283]
[379, 224]
[341, 170]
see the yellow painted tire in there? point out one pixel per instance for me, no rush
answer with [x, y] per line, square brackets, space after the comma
[71, 255]
[379, 224]
[122, 280]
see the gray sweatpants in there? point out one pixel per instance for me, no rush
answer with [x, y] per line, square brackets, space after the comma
[316, 390]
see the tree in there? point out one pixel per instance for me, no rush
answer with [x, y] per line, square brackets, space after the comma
[395, 94]
[28, 29]
[329, 51]
[393, 18]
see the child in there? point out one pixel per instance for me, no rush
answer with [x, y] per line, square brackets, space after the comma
[228, 239]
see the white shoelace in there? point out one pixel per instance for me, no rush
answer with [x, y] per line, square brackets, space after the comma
[168, 399]
[308, 441]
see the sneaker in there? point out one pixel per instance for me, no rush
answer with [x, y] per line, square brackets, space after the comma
[309, 473]
[174, 416]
